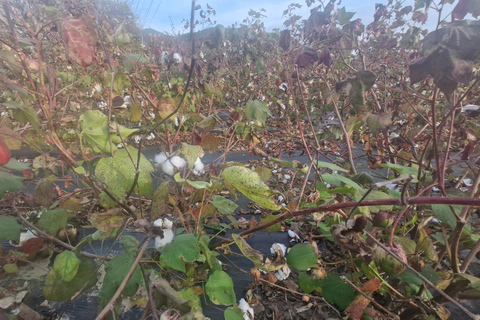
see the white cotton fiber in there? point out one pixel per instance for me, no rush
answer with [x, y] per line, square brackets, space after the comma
[160, 158]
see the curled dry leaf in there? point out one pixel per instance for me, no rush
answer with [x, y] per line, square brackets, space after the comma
[348, 239]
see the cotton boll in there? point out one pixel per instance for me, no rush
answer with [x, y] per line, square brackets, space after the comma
[278, 248]
[283, 273]
[177, 57]
[158, 223]
[293, 235]
[178, 162]
[167, 224]
[248, 313]
[168, 168]
[167, 238]
[160, 158]
[198, 167]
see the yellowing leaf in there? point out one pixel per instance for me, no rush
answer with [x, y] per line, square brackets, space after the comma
[257, 257]
[251, 185]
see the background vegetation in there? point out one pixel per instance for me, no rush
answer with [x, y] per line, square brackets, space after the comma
[386, 113]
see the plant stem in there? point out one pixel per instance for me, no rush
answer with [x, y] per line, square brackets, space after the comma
[110, 305]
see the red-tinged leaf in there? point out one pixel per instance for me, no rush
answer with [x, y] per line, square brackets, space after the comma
[210, 143]
[285, 40]
[234, 116]
[32, 246]
[371, 285]
[356, 308]
[5, 154]
[307, 58]
[326, 58]
[27, 173]
[12, 140]
[196, 139]
[78, 38]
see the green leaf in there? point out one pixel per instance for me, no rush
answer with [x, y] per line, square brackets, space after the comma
[329, 165]
[259, 64]
[14, 164]
[344, 16]
[402, 170]
[130, 59]
[120, 80]
[257, 110]
[53, 220]
[66, 265]
[474, 281]
[274, 228]
[337, 180]
[224, 205]
[375, 195]
[302, 256]
[191, 153]
[9, 228]
[130, 244]
[57, 290]
[444, 214]
[334, 290]
[207, 123]
[219, 288]
[10, 268]
[193, 300]
[195, 184]
[10, 183]
[363, 81]
[307, 284]
[251, 185]
[233, 313]
[23, 114]
[115, 271]
[377, 122]
[353, 123]
[95, 131]
[212, 90]
[362, 178]
[118, 173]
[160, 204]
[184, 248]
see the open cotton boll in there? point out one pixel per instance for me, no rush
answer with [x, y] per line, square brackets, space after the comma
[283, 273]
[167, 238]
[248, 313]
[198, 167]
[278, 248]
[178, 162]
[168, 168]
[160, 158]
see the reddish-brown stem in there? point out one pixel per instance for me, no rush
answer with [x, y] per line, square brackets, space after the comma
[394, 226]
[365, 203]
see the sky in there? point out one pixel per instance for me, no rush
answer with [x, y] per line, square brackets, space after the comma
[162, 14]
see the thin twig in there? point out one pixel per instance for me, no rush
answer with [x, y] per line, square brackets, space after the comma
[375, 303]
